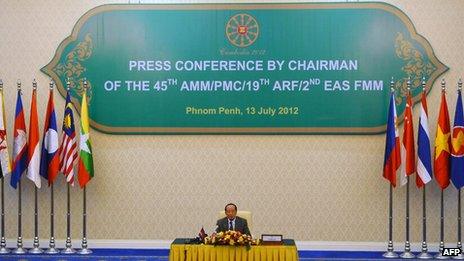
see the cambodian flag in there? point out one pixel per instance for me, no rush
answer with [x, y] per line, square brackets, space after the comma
[50, 161]
[19, 144]
[392, 160]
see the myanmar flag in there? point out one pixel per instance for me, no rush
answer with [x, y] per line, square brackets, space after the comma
[85, 167]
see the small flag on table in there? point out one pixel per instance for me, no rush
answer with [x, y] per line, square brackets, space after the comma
[202, 234]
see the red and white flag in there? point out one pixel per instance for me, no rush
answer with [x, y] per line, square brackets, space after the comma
[34, 151]
[408, 160]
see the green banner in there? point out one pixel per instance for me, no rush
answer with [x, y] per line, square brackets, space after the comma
[243, 68]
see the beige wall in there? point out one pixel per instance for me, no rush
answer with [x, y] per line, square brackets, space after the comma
[316, 188]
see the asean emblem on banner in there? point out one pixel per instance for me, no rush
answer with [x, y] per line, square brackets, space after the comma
[242, 30]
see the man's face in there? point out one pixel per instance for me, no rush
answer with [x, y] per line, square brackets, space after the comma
[231, 212]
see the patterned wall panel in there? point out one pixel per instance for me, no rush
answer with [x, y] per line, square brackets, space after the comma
[321, 188]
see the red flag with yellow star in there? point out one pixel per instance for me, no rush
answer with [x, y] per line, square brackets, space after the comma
[442, 146]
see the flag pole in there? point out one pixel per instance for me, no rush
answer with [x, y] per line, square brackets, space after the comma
[442, 215]
[84, 250]
[35, 249]
[459, 243]
[19, 243]
[51, 246]
[390, 253]
[68, 249]
[442, 227]
[425, 252]
[407, 254]
[3, 249]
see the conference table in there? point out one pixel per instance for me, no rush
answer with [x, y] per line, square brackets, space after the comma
[181, 250]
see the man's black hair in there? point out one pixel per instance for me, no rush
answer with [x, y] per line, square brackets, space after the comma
[230, 204]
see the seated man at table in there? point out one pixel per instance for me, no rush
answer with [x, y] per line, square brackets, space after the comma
[232, 221]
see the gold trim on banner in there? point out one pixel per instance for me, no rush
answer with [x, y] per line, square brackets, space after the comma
[72, 68]
[236, 130]
[415, 67]
[440, 67]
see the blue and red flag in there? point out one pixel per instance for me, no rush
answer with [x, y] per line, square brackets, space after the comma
[457, 146]
[424, 154]
[19, 144]
[392, 160]
[202, 234]
[49, 161]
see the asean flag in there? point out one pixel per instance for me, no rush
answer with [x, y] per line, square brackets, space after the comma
[457, 146]
[50, 161]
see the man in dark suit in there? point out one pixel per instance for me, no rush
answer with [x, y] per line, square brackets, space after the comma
[232, 221]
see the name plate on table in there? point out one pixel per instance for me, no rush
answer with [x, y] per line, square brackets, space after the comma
[271, 239]
[293, 68]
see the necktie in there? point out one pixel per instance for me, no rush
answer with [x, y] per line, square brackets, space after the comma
[230, 225]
